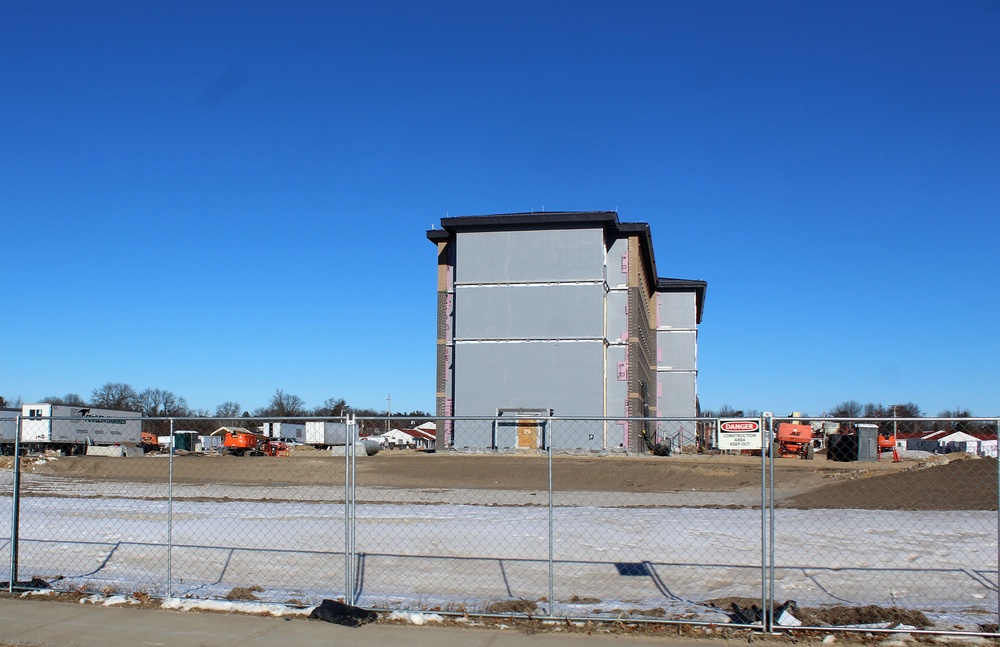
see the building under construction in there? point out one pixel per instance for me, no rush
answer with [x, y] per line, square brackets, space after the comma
[561, 312]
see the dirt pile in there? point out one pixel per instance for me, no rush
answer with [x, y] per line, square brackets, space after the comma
[959, 484]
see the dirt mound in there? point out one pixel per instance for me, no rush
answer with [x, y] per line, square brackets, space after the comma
[960, 484]
[871, 614]
[822, 616]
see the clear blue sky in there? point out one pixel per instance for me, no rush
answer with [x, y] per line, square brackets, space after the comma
[222, 199]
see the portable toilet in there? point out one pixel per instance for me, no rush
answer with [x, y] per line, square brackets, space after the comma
[867, 441]
[185, 440]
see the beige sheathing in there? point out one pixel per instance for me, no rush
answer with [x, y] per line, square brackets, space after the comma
[642, 340]
[443, 286]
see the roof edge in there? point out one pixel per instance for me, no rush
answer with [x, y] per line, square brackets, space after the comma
[697, 286]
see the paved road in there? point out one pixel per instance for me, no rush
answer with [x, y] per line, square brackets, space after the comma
[61, 624]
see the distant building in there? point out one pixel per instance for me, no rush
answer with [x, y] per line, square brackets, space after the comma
[406, 438]
[560, 312]
[944, 441]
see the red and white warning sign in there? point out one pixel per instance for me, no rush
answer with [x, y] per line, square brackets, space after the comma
[740, 434]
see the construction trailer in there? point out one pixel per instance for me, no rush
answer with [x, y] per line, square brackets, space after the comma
[71, 429]
[8, 429]
[333, 435]
[295, 431]
[325, 434]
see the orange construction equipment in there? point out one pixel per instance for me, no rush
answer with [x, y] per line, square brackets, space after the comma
[887, 441]
[149, 442]
[240, 442]
[795, 440]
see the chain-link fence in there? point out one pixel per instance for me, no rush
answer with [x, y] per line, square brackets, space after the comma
[868, 524]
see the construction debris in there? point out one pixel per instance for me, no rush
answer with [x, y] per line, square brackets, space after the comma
[343, 614]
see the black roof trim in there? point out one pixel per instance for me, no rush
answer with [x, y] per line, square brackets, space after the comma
[609, 220]
[685, 285]
[534, 218]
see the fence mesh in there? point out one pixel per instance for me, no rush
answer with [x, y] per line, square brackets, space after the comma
[520, 515]
[909, 531]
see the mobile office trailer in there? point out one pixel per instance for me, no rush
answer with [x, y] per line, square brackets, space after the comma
[333, 435]
[326, 434]
[8, 429]
[70, 429]
[293, 430]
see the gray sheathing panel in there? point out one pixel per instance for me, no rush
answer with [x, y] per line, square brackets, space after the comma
[617, 389]
[529, 256]
[677, 350]
[676, 310]
[678, 395]
[563, 376]
[529, 312]
[617, 269]
[617, 315]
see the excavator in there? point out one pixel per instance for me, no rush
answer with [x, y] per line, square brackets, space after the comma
[887, 443]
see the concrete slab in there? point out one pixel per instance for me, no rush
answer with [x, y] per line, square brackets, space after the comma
[61, 624]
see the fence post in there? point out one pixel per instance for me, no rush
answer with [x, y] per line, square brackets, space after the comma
[15, 509]
[170, 512]
[998, 518]
[548, 443]
[766, 545]
[349, 443]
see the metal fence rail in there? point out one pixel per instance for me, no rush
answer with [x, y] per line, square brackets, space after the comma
[520, 518]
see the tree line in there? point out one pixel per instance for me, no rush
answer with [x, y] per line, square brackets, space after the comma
[161, 403]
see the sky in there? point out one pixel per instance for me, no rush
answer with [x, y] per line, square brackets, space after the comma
[223, 200]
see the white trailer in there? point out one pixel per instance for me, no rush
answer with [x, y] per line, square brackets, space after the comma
[294, 431]
[70, 429]
[334, 435]
[8, 429]
[326, 434]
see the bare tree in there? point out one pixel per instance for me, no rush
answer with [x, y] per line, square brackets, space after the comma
[159, 402]
[727, 411]
[228, 409]
[116, 395]
[331, 407]
[848, 409]
[905, 410]
[71, 399]
[283, 405]
[872, 410]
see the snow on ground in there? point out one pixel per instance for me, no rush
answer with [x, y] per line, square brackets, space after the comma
[452, 556]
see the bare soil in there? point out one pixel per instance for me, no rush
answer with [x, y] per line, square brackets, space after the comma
[951, 482]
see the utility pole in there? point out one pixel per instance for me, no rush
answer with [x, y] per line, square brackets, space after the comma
[388, 411]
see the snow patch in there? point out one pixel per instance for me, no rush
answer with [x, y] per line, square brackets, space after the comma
[225, 606]
[41, 592]
[416, 618]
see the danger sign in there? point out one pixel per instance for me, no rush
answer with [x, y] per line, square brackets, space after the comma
[740, 434]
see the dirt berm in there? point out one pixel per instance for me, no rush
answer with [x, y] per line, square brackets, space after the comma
[952, 482]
